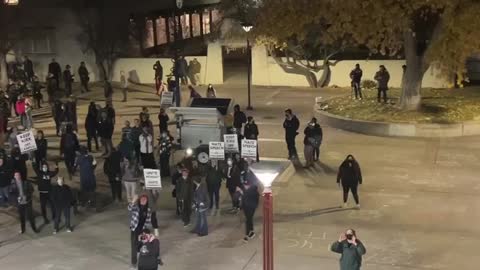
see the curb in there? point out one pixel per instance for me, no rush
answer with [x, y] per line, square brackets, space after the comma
[385, 129]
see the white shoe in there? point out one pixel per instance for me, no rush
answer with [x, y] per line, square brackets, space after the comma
[54, 232]
[358, 206]
[345, 205]
[68, 230]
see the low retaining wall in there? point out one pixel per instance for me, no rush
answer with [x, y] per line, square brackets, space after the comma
[385, 129]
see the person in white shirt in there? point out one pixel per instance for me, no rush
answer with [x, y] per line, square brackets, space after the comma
[146, 149]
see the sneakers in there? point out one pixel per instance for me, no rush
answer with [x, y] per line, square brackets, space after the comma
[345, 205]
[251, 235]
[55, 232]
[357, 207]
[69, 230]
[186, 225]
[245, 239]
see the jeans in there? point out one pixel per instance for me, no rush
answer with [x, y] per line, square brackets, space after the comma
[382, 91]
[130, 189]
[249, 213]
[357, 89]
[201, 226]
[4, 194]
[353, 188]
[44, 199]
[292, 149]
[25, 211]
[214, 193]
[58, 216]
[316, 153]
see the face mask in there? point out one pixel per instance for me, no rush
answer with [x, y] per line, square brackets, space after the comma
[229, 163]
[184, 177]
[44, 169]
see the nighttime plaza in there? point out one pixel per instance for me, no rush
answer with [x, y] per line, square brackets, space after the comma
[239, 135]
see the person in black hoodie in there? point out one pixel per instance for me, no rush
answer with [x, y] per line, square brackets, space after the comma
[68, 147]
[239, 119]
[250, 199]
[251, 132]
[350, 176]
[291, 125]
[44, 187]
[25, 191]
[105, 132]
[112, 168]
[214, 182]
[62, 198]
[91, 126]
[148, 251]
[41, 152]
[68, 80]
[19, 162]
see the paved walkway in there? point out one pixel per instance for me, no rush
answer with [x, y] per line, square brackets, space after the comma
[419, 205]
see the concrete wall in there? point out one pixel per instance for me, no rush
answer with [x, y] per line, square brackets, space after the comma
[266, 71]
[140, 70]
[67, 48]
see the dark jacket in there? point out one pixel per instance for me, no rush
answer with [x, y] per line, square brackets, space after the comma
[251, 197]
[291, 126]
[6, 174]
[27, 192]
[187, 190]
[105, 129]
[313, 136]
[55, 69]
[69, 143]
[19, 164]
[158, 70]
[149, 254]
[112, 165]
[351, 258]
[107, 90]
[163, 122]
[28, 67]
[234, 180]
[382, 78]
[91, 124]
[67, 77]
[44, 179]
[62, 196]
[349, 173]
[88, 181]
[356, 75]
[41, 152]
[182, 67]
[83, 73]
[213, 177]
[200, 197]
[251, 131]
[239, 119]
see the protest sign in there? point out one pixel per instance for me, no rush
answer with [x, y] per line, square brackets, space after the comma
[216, 150]
[249, 149]
[26, 142]
[152, 178]
[231, 143]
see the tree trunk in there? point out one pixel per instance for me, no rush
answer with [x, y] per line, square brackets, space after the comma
[3, 71]
[411, 98]
[102, 70]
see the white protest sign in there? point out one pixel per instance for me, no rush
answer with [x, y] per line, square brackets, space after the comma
[231, 143]
[152, 179]
[249, 148]
[167, 98]
[26, 142]
[216, 150]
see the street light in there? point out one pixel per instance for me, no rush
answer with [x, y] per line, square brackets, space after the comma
[247, 27]
[11, 2]
[267, 177]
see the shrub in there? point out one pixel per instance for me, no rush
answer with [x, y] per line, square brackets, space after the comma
[368, 84]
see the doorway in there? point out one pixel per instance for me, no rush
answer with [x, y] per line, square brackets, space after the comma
[235, 65]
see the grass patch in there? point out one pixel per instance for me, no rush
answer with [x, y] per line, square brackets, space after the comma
[441, 106]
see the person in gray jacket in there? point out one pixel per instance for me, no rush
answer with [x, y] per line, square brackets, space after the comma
[382, 77]
[130, 178]
[351, 249]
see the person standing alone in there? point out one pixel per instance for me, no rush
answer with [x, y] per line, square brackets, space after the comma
[84, 77]
[350, 176]
[382, 77]
[291, 125]
[351, 249]
[356, 76]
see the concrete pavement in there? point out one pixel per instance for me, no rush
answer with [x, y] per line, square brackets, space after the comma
[419, 205]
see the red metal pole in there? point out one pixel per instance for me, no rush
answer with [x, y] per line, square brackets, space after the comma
[267, 230]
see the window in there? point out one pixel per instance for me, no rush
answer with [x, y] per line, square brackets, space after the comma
[206, 22]
[196, 25]
[161, 31]
[185, 21]
[38, 41]
[148, 42]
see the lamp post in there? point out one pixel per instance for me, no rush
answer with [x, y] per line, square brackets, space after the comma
[267, 178]
[247, 27]
[11, 2]
[177, 92]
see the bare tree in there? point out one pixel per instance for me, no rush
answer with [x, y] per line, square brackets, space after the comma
[104, 32]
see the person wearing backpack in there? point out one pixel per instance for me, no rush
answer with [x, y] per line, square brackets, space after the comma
[68, 147]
